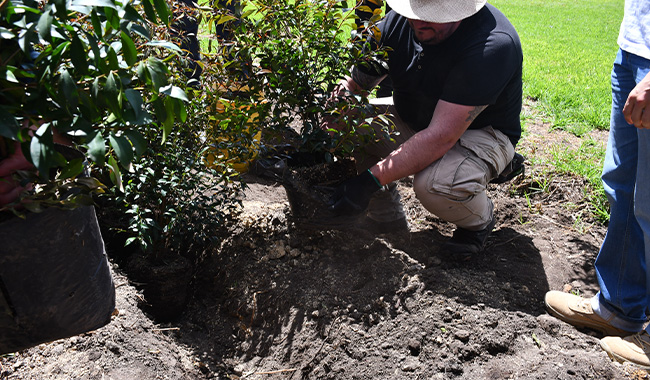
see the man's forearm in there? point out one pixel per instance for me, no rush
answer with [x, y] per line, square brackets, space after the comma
[449, 122]
[412, 156]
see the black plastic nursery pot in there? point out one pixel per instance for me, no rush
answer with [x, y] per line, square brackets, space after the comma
[310, 189]
[55, 281]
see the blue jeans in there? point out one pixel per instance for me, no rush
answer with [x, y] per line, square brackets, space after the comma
[624, 295]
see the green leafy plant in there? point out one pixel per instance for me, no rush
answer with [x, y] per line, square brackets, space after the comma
[183, 189]
[281, 64]
[173, 202]
[89, 72]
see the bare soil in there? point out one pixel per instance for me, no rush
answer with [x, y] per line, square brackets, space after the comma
[277, 301]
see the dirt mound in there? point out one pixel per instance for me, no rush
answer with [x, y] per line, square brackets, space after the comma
[279, 301]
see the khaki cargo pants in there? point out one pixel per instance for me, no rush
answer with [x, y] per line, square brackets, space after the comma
[453, 187]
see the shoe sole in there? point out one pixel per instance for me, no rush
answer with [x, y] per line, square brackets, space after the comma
[621, 359]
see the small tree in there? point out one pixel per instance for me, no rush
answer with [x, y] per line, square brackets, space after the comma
[282, 63]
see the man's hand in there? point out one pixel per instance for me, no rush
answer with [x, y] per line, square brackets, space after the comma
[330, 124]
[352, 196]
[345, 91]
[637, 106]
[9, 188]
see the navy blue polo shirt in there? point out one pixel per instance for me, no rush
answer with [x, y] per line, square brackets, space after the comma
[479, 64]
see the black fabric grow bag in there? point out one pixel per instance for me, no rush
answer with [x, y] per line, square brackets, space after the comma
[55, 281]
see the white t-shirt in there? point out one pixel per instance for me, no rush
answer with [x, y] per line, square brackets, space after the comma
[634, 36]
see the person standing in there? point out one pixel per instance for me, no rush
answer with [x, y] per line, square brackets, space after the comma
[620, 308]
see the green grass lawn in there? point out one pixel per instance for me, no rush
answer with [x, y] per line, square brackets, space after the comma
[569, 47]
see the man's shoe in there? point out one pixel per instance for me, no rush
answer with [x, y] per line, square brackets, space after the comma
[577, 311]
[465, 243]
[633, 349]
[514, 168]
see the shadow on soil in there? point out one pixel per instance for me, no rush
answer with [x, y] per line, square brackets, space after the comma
[255, 304]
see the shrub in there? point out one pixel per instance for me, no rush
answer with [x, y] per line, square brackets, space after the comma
[85, 69]
[174, 203]
[282, 63]
[106, 75]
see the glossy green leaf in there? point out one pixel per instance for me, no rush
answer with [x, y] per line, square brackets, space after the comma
[69, 89]
[181, 111]
[72, 169]
[164, 44]
[97, 60]
[97, 149]
[113, 62]
[56, 55]
[149, 11]
[81, 9]
[141, 31]
[144, 118]
[164, 116]
[128, 49]
[7, 74]
[135, 99]
[247, 13]
[137, 140]
[131, 16]
[163, 10]
[112, 93]
[45, 25]
[122, 148]
[82, 125]
[91, 183]
[27, 39]
[8, 124]
[97, 26]
[6, 33]
[41, 150]
[116, 174]
[174, 92]
[225, 18]
[78, 55]
[112, 17]
[94, 3]
[96, 90]
[143, 72]
[157, 72]
[61, 9]
[167, 125]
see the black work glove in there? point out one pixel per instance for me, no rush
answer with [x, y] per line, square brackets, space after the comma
[352, 196]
